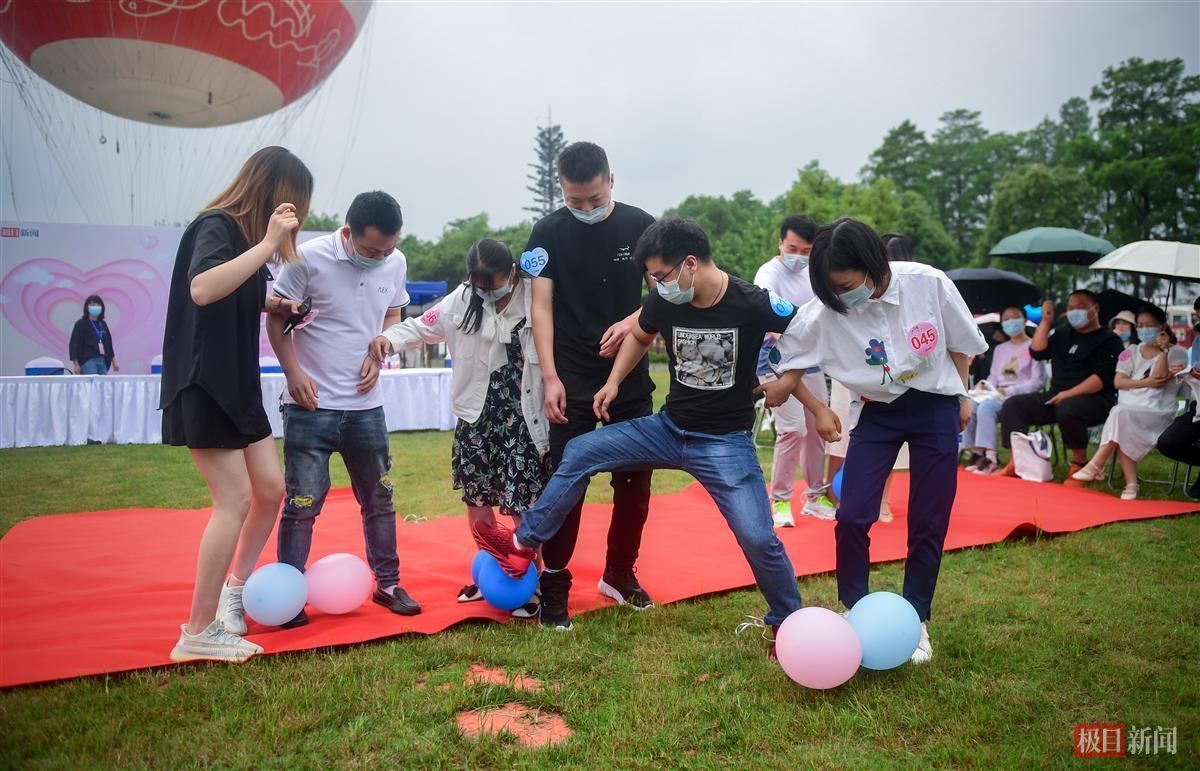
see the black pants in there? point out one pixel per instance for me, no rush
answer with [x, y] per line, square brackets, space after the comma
[1074, 416]
[631, 490]
[1181, 440]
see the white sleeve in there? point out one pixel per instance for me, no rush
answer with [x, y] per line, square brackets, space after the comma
[292, 281]
[963, 335]
[799, 345]
[429, 328]
[401, 298]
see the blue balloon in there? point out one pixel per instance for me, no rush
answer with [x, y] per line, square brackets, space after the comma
[888, 628]
[502, 591]
[477, 563]
[1034, 313]
[274, 594]
[837, 483]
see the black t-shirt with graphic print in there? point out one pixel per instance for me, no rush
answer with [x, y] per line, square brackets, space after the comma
[596, 284]
[713, 354]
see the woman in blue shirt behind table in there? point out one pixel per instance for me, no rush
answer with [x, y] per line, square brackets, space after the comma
[899, 335]
[91, 345]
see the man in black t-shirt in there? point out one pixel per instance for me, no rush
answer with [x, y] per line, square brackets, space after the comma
[1083, 362]
[587, 289]
[713, 324]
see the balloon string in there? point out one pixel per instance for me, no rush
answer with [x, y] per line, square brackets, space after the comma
[754, 622]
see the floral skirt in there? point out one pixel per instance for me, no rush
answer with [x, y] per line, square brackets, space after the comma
[494, 460]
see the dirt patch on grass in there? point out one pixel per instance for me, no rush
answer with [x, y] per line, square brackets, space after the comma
[530, 727]
[479, 674]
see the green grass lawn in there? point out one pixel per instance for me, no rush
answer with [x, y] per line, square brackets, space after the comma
[1030, 637]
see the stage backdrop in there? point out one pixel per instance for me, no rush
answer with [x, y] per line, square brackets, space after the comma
[47, 269]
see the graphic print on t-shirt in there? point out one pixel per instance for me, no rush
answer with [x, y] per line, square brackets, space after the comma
[705, 358]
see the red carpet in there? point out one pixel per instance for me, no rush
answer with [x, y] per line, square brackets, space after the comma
[87, 594]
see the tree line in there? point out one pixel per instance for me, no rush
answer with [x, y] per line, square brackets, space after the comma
[1122, 164]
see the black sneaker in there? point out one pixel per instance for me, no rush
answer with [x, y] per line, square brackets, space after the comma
[555, 589]
[301, 619]
[397, 602]
[623, 587]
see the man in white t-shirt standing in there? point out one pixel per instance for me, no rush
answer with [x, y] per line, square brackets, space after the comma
[786, 275]
[333, 403]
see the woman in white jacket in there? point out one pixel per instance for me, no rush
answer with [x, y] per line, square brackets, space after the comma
[500, 442]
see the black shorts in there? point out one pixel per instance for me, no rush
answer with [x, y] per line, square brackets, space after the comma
[195, 420]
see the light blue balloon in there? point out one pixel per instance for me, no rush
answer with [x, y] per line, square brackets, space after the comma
[500, 590]
[888, 628]
[837, 483]
[477, 563]
[274, 594]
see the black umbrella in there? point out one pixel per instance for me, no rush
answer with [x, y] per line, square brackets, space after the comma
[990, 290]
[1113, 302]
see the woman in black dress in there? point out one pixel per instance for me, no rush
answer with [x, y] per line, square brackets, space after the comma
[91, 341]
[211, 394]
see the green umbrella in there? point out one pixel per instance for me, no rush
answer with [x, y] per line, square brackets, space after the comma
[1060, 245]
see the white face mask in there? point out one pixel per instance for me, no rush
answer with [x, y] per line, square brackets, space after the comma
[493, 295]
[591, 217]
[794, 260]
[670, 291]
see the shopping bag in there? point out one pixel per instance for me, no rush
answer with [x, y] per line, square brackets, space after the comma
[1031, 456]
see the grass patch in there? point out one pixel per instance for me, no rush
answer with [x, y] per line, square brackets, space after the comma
[1030, 638]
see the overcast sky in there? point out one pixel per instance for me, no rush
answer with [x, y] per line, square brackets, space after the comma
[438, 103]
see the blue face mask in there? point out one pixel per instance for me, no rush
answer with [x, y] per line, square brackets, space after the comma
[364, 262]
[1148, 334]
[856, 296]
[1077, 318]
[794, 260]
[1124, 334]
[94, 310]
[1013, 327]
[670, 291]
[493, 295]
[593, 216]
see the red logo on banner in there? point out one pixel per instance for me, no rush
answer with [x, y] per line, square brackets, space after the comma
[10, 232]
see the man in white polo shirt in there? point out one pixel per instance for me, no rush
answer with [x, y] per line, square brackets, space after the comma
[333, 403]
[786, 275]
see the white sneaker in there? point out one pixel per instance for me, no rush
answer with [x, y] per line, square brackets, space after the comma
[781, 514]
[213, 644]
[924, 651]
[230, 611]
[819, 508]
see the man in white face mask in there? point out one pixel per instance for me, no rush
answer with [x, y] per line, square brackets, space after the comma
[333, 402]
[786, 275]
[586, 294]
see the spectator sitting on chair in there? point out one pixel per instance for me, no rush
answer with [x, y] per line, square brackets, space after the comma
[1123, 325]
[91, 346]
[1083, 360]
[1013, 372]
[1181, 441]
[1145, 406]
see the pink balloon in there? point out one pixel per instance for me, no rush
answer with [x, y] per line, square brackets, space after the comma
[338, 583]
[818, 648]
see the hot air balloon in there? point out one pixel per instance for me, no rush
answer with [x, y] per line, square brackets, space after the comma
[185, 63]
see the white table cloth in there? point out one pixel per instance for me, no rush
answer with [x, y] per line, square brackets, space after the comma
[123, 409]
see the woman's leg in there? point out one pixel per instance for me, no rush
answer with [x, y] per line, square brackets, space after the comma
[266, 493]
[224, 472]
[1128, 466]
[480, 514]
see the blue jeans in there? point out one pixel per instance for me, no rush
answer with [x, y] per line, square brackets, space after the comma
[360, 436]
[97, 365]
[981, 429]
[929, 423]
[725, 465]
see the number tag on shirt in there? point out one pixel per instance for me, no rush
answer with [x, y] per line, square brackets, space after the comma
[923, 338]
[781, 306]
[534, 261]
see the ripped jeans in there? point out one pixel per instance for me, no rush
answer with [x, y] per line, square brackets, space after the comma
[360, 436]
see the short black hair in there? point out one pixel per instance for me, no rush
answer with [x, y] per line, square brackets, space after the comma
[845, 244]
[582, 162]
[800, 225]
[1158, 313]
[374, 209]
[899, 247]
[672, 239]
[1018, 309]
[1088, 294]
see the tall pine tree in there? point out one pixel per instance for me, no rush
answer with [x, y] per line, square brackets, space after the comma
[547, 196]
